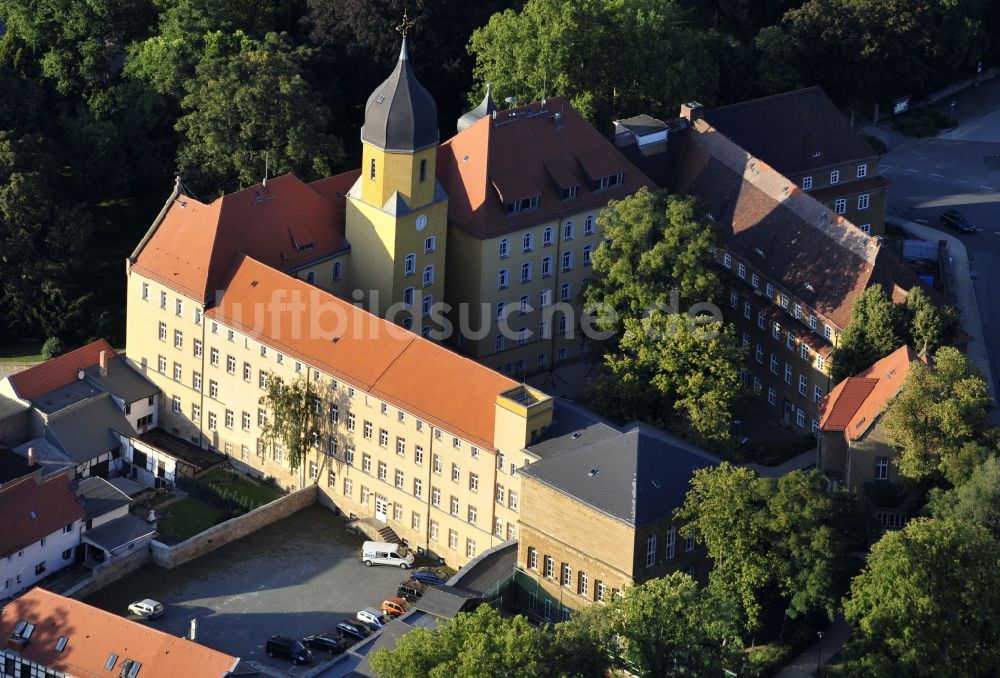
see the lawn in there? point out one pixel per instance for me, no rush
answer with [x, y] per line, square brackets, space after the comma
[227, 480]
[21, 352]
[186, 518]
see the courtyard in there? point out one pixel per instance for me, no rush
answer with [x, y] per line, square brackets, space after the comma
[298, 576]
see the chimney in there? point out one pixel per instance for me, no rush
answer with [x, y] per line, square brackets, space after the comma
[692, 111]
[31, 456]
[557, 119]
[104, 363]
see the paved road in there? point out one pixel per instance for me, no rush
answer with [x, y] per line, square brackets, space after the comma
[298, 576]
[960, 170]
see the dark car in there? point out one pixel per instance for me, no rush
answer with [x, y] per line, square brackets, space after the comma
[413, 590]
[330, 643]
[428, 575]
[352, 629]
[958, 221]
[288, 648]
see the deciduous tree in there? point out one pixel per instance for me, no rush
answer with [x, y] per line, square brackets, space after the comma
[927, 603]
[977, 500]
[937, 411]
[292, 419]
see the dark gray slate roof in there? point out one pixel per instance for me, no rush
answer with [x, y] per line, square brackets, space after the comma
[637, 477]
[793, 132]
[51, 459]
[13, 465]
[122, 380]
[119, 532]
[447, 601]
[401, 114]
[181, 449]
[571, 427]
[100, 497]
[85, 432]
[484, 109]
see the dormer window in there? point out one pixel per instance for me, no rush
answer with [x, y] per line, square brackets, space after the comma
[609, 181]
[523, 205]
[569, 193]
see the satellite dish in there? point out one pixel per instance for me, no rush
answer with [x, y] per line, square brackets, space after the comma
[81, 374]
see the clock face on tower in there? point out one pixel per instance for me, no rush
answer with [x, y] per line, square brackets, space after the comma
[421, 222]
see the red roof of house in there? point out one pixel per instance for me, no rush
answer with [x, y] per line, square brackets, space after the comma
[855, 403]
[32, 508]
[361, 349]
[93, 635]
[60, 371]
[286, 224]
[523, 153]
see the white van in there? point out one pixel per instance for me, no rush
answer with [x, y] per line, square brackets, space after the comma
[384, 553]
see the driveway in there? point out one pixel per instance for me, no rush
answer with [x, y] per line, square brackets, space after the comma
[959, 169]
[298, 576]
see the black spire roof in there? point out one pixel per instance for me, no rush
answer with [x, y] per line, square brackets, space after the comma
[401, 114]
[486, 108]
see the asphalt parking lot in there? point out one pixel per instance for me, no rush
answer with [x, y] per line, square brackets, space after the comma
[298, 576]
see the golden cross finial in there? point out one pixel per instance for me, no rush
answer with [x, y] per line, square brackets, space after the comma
[405, 27]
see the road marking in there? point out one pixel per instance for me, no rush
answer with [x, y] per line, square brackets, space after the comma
[939, 176]
[912, 170]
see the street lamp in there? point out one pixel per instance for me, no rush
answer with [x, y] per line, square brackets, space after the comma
[819, 650]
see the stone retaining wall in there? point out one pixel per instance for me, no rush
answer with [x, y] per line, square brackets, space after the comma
[231, 530]
[108, 572]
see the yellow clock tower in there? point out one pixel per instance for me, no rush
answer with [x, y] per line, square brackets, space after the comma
[397, 211]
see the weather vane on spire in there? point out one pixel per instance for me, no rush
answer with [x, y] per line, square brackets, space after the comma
[405, 27]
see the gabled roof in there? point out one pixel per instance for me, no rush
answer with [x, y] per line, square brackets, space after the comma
[513, 149]
[817, 256]
[636, 477]
[854, 404]
[87, 430]
[99, 496]
[92, 635]
[60, 371]
[361, 349]
[796, 131]
[31, 508]
[191, 247]
[400, 114]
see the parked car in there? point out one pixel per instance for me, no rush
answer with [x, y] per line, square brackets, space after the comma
[429, 575]
[394, 607]
[958, 221]
[386, 553]
[412, 590]
[373, 618]
[331, 643]
[288, 648]
[147, 609]
[353, 630]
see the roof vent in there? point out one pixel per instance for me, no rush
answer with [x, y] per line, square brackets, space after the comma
[817, 154]
[593, 472]
[576, 435]
[758, 251]
[253, 283]
[656, 484]
[557, 119]
[34, 515]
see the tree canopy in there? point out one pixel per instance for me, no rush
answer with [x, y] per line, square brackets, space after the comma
[779, 544]
[927, 603]
[936, 412]
[292, 419]
[561, 47]
[977, 500]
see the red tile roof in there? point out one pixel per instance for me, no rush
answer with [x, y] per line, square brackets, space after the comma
[363, 350]
[93, 635]
[31, 508]
[817, 256]
[60, 371]
[855, 403]
[522, 153]
[286, 224]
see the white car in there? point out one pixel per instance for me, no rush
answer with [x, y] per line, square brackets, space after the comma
[373, 618]
[148, 609]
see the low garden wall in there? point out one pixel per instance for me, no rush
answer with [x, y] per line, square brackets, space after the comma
[231, 530]
[108, 572]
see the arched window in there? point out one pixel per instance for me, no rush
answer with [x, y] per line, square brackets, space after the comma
[372, 173]
[423, 169]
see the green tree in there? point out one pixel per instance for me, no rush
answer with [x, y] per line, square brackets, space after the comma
[561, 47]
[927, 603]
[937, 411]
[877, 328]
[674, 371]
[249, 100]
[977, 500]
[654, 244]
[778, 544]
[469, 645]
[670, 627]
[292, 418]
[928, 327]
